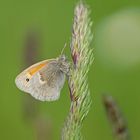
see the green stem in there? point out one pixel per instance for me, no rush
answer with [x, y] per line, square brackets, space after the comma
[82, 56]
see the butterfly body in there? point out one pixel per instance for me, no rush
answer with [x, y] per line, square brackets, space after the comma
[45, 79]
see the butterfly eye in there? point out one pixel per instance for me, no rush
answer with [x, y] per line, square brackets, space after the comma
[27, 79]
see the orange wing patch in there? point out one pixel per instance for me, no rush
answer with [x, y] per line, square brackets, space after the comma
[35, 69]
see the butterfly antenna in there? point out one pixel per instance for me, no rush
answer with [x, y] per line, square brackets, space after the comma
[63, 49]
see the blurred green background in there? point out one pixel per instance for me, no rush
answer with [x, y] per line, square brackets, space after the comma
[116, 69]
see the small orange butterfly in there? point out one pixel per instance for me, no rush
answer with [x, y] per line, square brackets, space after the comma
[44, 80]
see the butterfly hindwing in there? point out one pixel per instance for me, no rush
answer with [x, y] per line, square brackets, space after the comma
[51, 81]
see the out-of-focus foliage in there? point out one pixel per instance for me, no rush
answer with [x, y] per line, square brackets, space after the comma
[53, 20]
[118, 39]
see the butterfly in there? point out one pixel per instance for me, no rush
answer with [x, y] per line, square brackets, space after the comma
[44, 80]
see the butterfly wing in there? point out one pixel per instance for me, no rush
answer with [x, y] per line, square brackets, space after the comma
[24, 80]
[43, 80]
[47, 82]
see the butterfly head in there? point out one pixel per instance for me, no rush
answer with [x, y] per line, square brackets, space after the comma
[64, 64]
